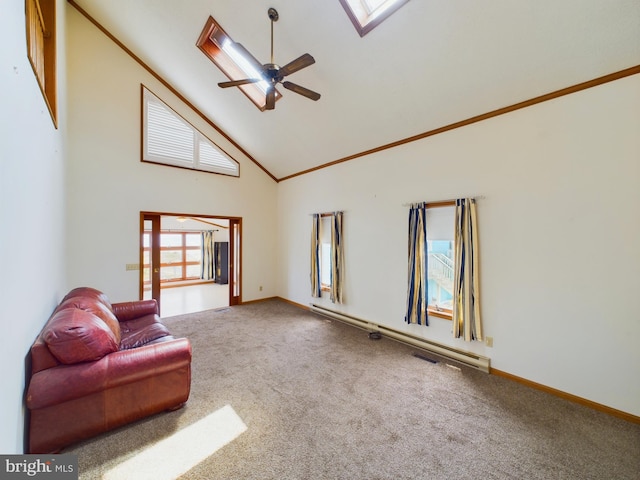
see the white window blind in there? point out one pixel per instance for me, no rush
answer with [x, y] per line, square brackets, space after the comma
[167, 136]
[211, 157]
[171, 140]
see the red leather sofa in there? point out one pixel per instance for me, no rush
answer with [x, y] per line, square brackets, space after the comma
[96, 366]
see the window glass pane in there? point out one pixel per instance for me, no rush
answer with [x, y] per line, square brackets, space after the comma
[145, 257]
[194, 255]
[194, 239]
[171, 273]
[440, 264]
[171, 240]
[325, 264]
[193, 271]
[171, 256]
[440, 223]
[325, 229]
[146, 240]
[440, 227]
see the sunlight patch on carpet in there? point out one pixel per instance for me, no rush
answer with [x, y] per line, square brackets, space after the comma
[173, 456]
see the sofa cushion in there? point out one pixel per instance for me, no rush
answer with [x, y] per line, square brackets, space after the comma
[74, 335]
[98, 308]
[142, 331]
[88, 292]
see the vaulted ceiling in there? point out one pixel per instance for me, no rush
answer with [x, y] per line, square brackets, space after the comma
[430, 64]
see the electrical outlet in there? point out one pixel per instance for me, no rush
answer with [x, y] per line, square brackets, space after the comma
[260, 287]
[133, 266]
[488, 341]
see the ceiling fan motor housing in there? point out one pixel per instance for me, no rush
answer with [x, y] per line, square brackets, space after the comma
[272, 72]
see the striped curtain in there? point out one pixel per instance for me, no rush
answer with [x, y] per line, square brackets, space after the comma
[207, 269]
[337, 258]
[417, 299]
[315, 257]
[466, 302]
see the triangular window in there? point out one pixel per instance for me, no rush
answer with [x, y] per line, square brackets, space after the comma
[170, 140]
[367, 14]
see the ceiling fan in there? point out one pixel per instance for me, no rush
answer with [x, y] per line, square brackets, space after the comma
[275, 74]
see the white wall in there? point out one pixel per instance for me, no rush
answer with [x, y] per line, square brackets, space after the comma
[31, 212]
[571, 166]
[109, 186]
[559, 222]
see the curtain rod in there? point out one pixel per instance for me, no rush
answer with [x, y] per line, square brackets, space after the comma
[327, 214]
[444, 203]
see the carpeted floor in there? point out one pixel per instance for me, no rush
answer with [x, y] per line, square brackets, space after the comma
[320, 400]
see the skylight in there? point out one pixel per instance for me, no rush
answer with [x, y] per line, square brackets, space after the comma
[367, 14]
[234, 61]
[248, 69]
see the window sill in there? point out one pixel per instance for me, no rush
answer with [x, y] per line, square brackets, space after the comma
[183, 283]
[440, 313]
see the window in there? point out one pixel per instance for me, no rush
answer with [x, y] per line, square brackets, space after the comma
[367, 14]
[170, 140]
[327, 256]
[431, 291]
[443, 266]
[180, 256]
[41, 48]
[234, 61]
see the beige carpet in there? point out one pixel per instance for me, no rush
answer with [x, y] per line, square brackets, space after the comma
[281, 393]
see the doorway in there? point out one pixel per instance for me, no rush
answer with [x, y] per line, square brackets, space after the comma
[190, 263]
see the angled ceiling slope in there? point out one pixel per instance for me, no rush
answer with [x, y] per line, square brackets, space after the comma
[430, 66]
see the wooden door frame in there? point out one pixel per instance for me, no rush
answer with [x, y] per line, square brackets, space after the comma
[154, 257]
[233, 268]
[235, 224]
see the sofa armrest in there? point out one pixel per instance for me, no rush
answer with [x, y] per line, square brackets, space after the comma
[125, 311]
[67, 382]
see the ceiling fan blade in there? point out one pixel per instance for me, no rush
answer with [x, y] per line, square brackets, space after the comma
[298, 64]
[237, 83]
[301, 90]
[271, 98]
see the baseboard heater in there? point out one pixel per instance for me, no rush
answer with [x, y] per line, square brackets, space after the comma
[467, 358]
